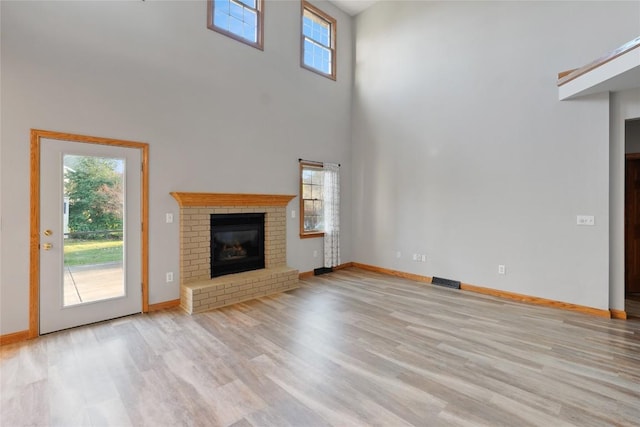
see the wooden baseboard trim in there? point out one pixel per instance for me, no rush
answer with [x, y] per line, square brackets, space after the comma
[343, 266]
[410, 276]
[536, 300]
[307, 274]
[14, 337]
[501, 294]
[164, 305]
[618, 314]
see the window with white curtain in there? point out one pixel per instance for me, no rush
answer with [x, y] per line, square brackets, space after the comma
[320, 206]
[331, 214]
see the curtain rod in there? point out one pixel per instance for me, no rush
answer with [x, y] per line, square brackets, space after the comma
[313, 161]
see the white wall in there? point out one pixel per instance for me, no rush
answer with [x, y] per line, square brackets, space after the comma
[463, 152]
[219, 116]
[624, 106]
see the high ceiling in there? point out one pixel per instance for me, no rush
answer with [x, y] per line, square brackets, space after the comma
[353, 7]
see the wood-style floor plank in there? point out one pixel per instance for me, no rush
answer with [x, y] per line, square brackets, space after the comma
[350, 348]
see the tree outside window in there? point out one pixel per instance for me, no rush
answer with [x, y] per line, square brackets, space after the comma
[94, 188]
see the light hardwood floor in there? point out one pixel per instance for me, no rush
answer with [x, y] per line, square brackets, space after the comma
[346, 349]
[632, 306]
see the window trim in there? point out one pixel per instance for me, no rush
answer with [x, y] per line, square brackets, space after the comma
[259, 44]
[333, 48]
[307, 234]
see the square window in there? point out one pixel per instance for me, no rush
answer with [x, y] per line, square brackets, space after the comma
[239, 19]
[318, 41]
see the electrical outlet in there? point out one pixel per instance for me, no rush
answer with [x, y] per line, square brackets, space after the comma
[502, 269]
[169, 277]
[398, 254]
[168, 218]
[424, 258]
[586, 220]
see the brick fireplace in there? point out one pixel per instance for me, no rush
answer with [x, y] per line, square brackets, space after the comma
[198, 291]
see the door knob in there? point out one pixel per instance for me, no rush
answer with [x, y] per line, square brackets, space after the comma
[47, 246]
[48, 232]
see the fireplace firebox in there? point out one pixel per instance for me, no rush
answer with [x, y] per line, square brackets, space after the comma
[237, 243]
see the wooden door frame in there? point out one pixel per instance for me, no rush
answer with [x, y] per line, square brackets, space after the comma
[34, 255]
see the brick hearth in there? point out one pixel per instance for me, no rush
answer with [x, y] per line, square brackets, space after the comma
[198, 292]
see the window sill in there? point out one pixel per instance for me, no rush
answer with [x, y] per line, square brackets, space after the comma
[311, 235]
[320, 73]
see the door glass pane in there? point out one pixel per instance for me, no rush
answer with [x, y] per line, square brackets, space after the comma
[93, 209]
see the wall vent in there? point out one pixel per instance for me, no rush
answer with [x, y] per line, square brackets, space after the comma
[447, 283]
[322, 270]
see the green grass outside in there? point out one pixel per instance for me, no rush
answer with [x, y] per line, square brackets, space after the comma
[87, 252]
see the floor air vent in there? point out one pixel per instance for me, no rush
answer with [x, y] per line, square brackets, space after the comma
[453, 284]
[322, 270]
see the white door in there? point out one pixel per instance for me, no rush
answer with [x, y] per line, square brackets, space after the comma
[90, 233]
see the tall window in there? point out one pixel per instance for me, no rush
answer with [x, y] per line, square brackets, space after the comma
[311, 199]
[238, 19]
[318, 41]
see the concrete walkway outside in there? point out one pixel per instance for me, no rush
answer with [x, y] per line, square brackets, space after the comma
[86, 283]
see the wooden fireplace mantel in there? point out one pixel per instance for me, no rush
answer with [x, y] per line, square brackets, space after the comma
[230, 199]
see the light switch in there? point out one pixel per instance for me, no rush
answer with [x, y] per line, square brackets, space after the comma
[169, 218]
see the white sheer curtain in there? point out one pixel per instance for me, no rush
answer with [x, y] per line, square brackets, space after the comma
[331, 214]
